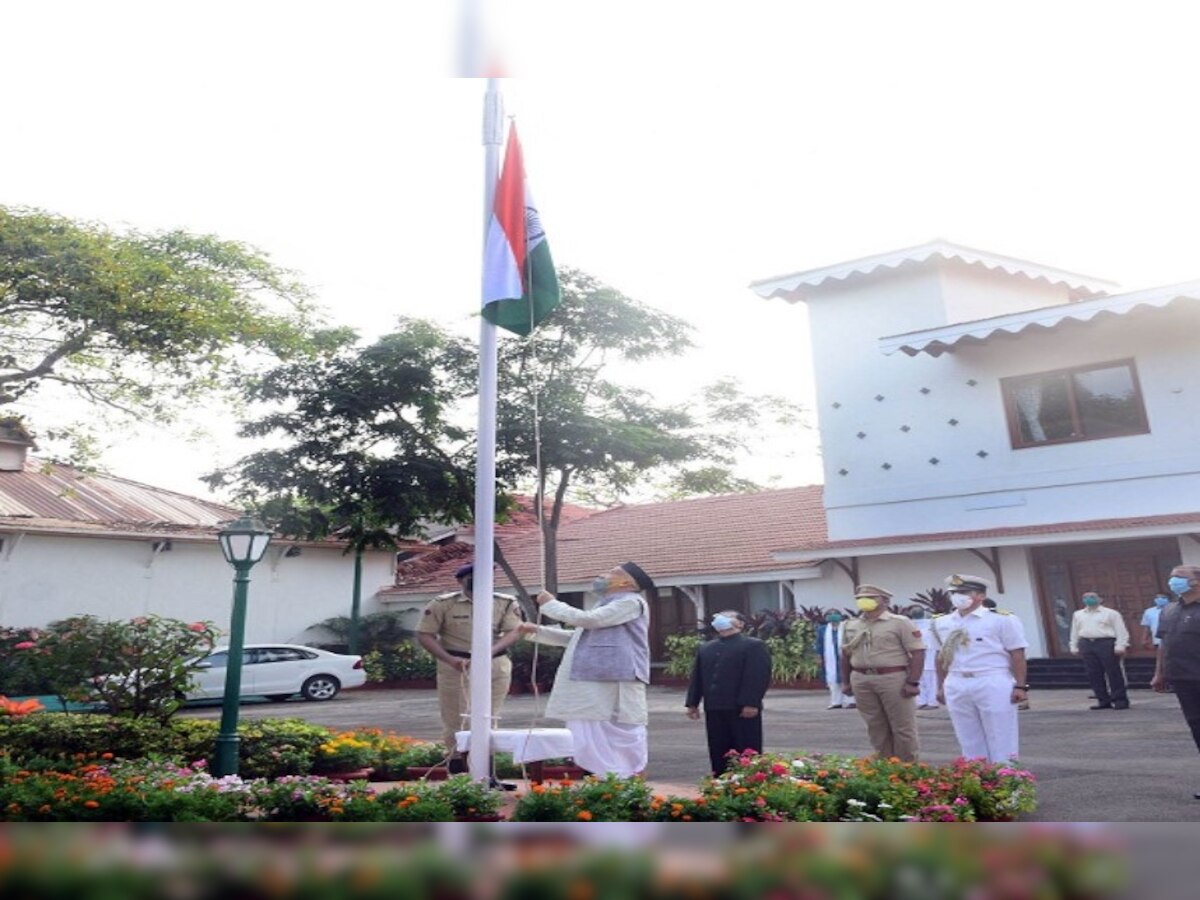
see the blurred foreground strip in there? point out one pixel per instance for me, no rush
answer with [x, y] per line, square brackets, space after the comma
[572, 862]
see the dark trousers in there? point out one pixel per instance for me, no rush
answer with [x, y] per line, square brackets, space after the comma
[1104, 671]
[1188, 693]
[727, 730]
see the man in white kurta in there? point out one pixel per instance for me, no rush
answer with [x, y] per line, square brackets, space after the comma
[603, 705]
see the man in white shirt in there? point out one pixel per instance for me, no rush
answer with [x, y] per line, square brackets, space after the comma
[981, 671]
[1099, 636]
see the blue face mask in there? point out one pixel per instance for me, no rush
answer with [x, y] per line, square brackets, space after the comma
[833, 618]
[722, 623]
[1160, 601]
[1179, 585]
[599, 584]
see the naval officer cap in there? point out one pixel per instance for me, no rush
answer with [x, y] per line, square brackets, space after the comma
[959, 584]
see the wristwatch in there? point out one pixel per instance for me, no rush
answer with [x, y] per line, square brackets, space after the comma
[1020, 687]
[913, 683]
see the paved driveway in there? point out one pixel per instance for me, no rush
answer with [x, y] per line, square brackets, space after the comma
[1136, 765]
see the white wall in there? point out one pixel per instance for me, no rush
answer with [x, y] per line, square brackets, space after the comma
[45, 578]
[906, 575]
[1128, 476]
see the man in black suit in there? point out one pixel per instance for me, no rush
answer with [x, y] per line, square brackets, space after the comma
[731, 676]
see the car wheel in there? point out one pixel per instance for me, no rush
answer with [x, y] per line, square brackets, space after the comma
[278, 698]
[321, 687]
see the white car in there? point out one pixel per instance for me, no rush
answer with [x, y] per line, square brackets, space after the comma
[278, 671]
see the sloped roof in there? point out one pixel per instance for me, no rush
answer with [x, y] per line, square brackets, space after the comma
[936, 341]
[794, 287]
[678, 542]
[52, 497]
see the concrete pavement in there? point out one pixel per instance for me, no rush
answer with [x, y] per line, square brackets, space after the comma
[1135, 765]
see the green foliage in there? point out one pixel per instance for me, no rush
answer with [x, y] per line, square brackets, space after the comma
[365, 448]
[401, 662]
[532, 662]
[22, 663]
[681, 652]
[136, 322]
[137, 669]
[377, 630]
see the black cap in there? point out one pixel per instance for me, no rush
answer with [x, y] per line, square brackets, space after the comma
[644, 581]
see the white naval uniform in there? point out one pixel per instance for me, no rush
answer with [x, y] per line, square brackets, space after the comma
[979, 680]
[928, 694]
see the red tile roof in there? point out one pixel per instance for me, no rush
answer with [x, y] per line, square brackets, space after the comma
[683, 540]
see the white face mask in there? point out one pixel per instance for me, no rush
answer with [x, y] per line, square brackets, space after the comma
[961, 601]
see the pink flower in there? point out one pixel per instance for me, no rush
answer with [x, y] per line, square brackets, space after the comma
[779, 769]
[197, 626]
[24, 645]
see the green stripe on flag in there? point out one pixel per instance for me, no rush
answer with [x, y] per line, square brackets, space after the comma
[514, 315]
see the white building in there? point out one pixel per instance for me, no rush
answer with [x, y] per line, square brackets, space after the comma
[72, 543]
[989, 415]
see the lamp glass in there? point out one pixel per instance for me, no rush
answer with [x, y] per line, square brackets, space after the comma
[244, 541]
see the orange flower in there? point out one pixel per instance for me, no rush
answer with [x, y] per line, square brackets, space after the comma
[106, 756]
[91, 804]
[584, 816]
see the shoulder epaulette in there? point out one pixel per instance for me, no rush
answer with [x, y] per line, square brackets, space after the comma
[447, 596]
[1002, 612]
[499, 596]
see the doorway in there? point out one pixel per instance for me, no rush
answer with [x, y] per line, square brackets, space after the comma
[1126, 574]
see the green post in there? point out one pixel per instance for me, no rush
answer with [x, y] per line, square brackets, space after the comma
[356, 601]
[225, 761]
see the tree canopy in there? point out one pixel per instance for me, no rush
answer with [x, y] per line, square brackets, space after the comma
[137, 322]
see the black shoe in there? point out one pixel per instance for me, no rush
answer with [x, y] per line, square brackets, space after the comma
[456, 766]
[1101, 706]
[1196, 795]
[497, 785]
[1120, 705]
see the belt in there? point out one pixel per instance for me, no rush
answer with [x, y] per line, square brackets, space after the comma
[1098, 639]
[983, 673]
[461, 655]
[879, 670]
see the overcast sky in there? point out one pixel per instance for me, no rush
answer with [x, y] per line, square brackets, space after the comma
[678, 150]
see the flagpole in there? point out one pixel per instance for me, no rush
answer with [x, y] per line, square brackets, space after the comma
[485, 473]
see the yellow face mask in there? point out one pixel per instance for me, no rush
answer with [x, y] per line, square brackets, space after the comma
[866, 604]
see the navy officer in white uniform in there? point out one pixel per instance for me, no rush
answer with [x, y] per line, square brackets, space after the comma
[981, 670]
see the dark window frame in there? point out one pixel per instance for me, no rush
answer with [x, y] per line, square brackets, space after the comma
[1012, 414]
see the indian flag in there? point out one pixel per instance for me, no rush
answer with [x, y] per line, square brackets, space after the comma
[520, 286]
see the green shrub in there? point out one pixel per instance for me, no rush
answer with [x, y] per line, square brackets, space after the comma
[681, 654]
[399, 662]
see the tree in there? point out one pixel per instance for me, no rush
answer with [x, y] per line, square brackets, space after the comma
[137, 322]
[599, 436]
[369, 453]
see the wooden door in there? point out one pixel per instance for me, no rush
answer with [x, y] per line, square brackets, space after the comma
[1127, 574]
[1126, 583]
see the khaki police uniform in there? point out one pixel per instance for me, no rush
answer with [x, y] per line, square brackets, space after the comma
[448, 617]
[879, 651]
[975, 652]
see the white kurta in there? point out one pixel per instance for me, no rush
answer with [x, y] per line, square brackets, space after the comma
[599, 701]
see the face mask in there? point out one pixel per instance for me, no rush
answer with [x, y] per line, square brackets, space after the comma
[1161, 601]
[1091, 601]
[599, 584]
[866, 604]
[833, 618]
[917, 614]
[722, 623]
[1179, 585]
[961, 601]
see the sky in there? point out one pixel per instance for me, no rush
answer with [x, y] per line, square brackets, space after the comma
[677, 151]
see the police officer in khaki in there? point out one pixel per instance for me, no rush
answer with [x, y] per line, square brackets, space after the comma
[883, 657]
[445, 631]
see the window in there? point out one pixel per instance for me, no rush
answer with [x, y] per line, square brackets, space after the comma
[1081, 404]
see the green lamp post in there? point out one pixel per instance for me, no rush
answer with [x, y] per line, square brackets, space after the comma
[243, 542]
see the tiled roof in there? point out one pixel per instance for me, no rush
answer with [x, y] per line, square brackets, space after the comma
[52, 497]
[683, 541]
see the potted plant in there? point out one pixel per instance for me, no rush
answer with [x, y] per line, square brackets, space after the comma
[344, 757]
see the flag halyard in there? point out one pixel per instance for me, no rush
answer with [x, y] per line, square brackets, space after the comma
[520, 286]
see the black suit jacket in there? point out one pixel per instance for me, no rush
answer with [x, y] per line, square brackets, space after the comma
[730, 673]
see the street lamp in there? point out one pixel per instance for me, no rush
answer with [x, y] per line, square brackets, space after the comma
[243, 542]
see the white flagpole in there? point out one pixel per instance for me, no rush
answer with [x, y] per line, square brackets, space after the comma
[485, 473]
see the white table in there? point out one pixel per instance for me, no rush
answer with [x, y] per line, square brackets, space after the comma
[527, 745]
